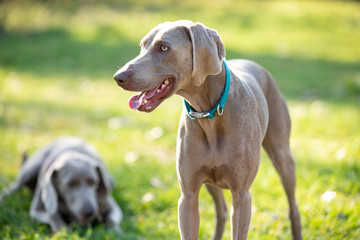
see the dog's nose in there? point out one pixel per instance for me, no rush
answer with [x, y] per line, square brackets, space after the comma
[122, 77]
[87, 211]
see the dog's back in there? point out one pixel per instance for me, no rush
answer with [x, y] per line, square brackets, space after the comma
[279, 119]
[258, 73]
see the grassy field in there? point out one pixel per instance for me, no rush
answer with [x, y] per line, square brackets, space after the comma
[57, 59]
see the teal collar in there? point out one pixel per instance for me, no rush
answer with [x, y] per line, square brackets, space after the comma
[219, 108]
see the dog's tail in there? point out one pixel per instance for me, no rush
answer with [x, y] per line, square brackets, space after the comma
[25, 157]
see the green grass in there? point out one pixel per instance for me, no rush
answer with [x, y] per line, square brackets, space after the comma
[57, 59]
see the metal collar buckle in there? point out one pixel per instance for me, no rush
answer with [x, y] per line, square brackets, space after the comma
[199, 114]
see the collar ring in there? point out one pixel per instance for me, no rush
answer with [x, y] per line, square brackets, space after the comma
[220, 111]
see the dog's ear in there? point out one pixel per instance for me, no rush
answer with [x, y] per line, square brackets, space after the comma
[106, 183]
[49, 195]
[208, 52]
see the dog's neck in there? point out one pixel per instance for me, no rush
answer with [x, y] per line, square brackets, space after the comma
[204, 98]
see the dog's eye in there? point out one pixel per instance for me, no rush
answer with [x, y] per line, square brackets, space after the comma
[164, 48]
[73, 184]
[90, 182]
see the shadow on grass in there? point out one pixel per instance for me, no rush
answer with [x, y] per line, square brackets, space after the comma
[56, 52]
[302, 79]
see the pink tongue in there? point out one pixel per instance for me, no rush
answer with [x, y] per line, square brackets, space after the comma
[136, 100]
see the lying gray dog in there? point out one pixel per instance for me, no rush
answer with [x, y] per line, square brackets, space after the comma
[217, 145]
[70, 183]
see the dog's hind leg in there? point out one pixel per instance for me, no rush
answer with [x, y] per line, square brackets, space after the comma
[276, 144]
[221, 210]
[285, 166]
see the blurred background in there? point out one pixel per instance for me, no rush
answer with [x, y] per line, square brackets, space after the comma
[57, 59]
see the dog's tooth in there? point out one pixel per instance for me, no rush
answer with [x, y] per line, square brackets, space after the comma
[163, 86]
[167, 81]
[145, 101]
[157, 91]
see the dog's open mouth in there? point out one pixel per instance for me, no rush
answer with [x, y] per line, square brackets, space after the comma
[148, 100]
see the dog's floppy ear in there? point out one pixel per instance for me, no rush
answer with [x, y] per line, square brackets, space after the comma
[106, 183]
[208, 52]
[49, 195]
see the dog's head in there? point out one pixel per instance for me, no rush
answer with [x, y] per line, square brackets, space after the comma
[79, 183]
[174, 56]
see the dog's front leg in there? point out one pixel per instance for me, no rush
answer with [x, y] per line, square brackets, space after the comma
[56, 222]
[111, 213]
[240, 215]
[188, 206]
[189, 215]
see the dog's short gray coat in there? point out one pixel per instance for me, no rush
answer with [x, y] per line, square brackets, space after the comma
[70, 183]
[186, 58]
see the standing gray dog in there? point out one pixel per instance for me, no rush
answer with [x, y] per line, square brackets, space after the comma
[217, 145]
[70, 183]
